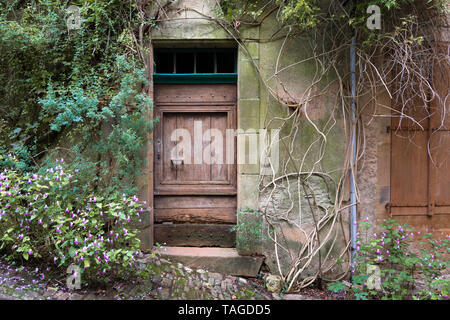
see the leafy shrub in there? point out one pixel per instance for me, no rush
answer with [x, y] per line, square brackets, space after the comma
[337, 287]
[84, 89]
[51, 218]
[387, 268]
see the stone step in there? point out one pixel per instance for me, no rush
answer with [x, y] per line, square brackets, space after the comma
[221, 260]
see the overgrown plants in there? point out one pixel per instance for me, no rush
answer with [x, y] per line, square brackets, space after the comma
[387, 267]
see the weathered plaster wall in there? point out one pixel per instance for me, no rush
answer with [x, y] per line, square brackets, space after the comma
[293, 216]
[188, 20]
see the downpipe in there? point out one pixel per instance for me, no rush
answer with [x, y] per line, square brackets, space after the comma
[353, 206]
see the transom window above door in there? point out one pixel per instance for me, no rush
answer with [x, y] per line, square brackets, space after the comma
[195, 66]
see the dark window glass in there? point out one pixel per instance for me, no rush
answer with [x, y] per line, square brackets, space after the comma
[205, 62]
[164, 62]
[185, 62]
[192, 61]
[225, 62]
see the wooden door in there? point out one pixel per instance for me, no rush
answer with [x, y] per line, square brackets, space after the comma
[195, 167]
[420, 162]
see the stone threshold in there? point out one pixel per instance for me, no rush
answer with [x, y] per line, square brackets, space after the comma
[221, 260]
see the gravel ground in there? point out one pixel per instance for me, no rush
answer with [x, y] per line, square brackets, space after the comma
[166, 280]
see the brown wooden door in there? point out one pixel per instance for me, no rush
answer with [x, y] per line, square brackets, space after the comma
[420, 162]
[195, 167]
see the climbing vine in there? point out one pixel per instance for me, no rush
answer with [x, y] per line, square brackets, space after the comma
[405, 59]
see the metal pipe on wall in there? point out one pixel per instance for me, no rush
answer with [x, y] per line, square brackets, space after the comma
[353, 207]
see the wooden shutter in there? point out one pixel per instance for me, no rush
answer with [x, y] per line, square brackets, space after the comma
[420, 156]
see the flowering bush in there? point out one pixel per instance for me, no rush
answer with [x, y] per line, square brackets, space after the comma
[387, 268]
[49, 217]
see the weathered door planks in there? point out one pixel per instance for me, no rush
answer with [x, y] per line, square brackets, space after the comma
[194, 203]
[420, 160]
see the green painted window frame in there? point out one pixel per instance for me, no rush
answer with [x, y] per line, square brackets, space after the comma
[194, 78]
[197, 78]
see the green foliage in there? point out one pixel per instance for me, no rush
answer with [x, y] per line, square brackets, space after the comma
[249, 230]
[438, 290]
[309, 15]
[54, 219]
[337, 286]
[238, 9]
[82, 89]
[399, 266]
[303, 14]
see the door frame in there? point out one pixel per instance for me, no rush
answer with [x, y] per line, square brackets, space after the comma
[149, 178]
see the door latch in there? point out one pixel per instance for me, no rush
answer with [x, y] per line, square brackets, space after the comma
[177, 162]
[158, 149]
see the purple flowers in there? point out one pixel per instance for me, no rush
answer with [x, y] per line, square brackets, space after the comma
[70, 218]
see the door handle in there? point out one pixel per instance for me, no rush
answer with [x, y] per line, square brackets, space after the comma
[158, 149]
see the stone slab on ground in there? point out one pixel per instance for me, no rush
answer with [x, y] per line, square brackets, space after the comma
[293, 296]
[221, 260]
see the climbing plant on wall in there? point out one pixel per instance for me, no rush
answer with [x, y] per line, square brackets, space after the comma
[401, 58]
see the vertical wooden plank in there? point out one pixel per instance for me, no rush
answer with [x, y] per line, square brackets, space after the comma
[441, 80]
[440, 137]
[185, 172]
[232, 168]
[202, 172]
[169, 124]
[440, 167]
[409, 172]
[431, 176]
[219, 171]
